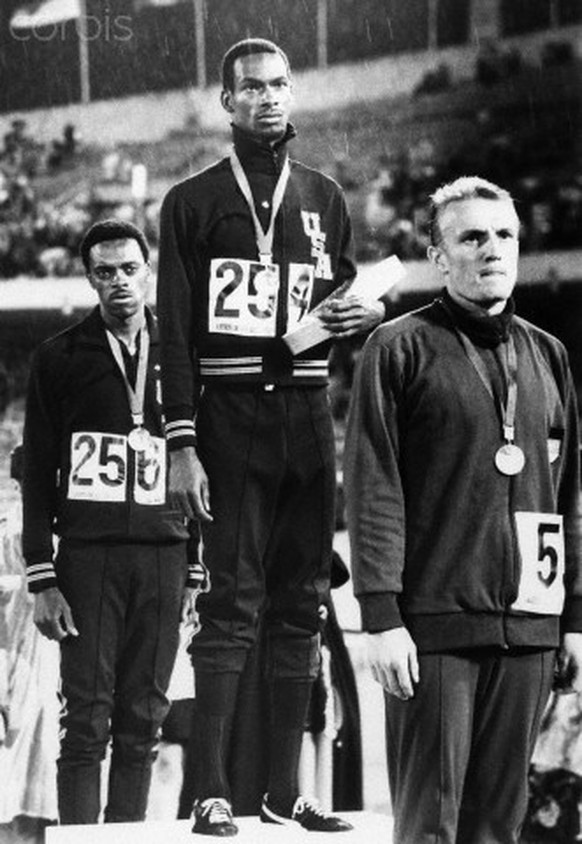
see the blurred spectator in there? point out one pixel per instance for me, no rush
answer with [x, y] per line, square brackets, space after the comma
[63, 149]
[434, 81]
[494, 63]
[29, 706]
[116, 167]
[567, 212]
[21, 153]
[557, 53]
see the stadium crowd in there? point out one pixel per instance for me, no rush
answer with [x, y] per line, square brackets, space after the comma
[40, 233]
[549, 200]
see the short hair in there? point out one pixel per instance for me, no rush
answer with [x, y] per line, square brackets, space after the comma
[248, 47]
[112, 230]
[465, 187]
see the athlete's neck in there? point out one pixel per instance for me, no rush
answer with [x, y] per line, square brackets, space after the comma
[493, 308]
[127, 329]
[244, 138]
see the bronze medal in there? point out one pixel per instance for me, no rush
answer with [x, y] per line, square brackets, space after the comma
[139, 439]
[509, 459]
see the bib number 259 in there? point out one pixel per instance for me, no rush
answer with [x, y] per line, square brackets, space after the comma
[243, 297]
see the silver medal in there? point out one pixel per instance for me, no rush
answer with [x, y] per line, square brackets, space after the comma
[139, 439]
[510, 459]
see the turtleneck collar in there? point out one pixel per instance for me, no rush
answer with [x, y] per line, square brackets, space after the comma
[257, 152]
[483, 329]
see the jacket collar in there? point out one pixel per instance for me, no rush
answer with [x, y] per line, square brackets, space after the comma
[256, 153]
[482, 329]
[92, 328]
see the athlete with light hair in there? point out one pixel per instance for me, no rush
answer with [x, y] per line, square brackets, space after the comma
[462, 489]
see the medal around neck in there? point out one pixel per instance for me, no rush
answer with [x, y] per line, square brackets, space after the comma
[509, 459]
[139, 439]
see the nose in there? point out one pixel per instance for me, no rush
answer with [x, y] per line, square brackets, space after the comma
[269, 94]
[492, 247]
[120, 276]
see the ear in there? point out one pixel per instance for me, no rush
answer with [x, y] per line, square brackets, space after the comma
[437, 257]
[226, 100]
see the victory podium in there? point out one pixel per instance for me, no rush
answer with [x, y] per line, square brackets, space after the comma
[369, 828]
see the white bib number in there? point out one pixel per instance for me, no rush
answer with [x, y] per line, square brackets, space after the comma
[150, 473]
[300, 289]
[99, 469]
[541, 545]
[243, 297]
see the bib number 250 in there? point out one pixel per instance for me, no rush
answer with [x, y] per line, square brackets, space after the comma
[99, 469]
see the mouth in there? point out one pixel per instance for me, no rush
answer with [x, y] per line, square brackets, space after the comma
[491, 272]
[270, 116]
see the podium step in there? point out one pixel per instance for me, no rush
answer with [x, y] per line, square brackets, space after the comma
[368, 827]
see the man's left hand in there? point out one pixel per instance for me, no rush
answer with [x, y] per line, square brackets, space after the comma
[572, 658]
[350, 315]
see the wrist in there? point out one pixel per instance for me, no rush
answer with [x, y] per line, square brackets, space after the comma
[184, 454]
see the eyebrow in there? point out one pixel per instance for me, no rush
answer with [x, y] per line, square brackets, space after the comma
[117, 264]
[477, 231]
[281, 78]
[103, 266]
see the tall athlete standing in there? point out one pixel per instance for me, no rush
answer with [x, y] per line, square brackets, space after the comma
[247, 248]
[95, 474]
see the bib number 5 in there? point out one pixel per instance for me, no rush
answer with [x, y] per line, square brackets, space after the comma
[541, 546]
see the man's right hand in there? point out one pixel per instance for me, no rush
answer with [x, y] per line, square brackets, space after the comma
[188, 488]
[393, 659]
[52, 614]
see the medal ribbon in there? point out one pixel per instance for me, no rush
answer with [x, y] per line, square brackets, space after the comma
[134, 397]
[264, 238]
[509, 408]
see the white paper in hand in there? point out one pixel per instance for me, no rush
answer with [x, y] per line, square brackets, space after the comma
[373, 282]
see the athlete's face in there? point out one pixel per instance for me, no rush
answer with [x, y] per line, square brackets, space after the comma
[120, 275]
[478, 252]
[260, 101]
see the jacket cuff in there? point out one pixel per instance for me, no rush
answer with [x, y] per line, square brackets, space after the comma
[198, 577]
[180, 434]
[571, 621]
[40, 576]
[380, 611]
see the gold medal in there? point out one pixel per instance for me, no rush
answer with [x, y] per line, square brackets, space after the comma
[510, 459]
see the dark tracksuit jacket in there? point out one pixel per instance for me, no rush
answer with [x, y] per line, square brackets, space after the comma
[263, 426]
[432, 520]
[75, 387]
[461, 555]
[121, 563]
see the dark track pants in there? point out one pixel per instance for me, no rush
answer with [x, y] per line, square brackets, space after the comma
[270, 459]
[459, 751]
[126, 602]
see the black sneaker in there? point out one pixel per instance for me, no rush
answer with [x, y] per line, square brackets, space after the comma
[306, 813]
[213, 817]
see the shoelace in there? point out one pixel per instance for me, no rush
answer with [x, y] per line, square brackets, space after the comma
[302, 804]
[217, 812]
